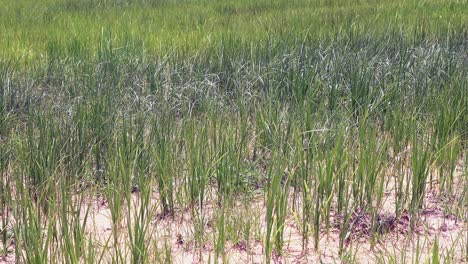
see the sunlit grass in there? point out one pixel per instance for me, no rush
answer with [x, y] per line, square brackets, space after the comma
[231, 119]
[28, 27]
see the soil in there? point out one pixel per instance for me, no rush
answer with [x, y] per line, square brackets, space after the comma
[395, 240]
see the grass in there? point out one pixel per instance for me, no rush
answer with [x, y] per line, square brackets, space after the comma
[231, 125]
[30, 28]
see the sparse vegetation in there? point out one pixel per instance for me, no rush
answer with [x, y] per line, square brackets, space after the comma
[234, 131]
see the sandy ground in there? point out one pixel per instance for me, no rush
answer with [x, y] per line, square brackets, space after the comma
[400, 242]
[177, 233]
[174, 235]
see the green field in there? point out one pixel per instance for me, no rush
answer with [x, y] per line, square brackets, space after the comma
[177, 131]
[75, 28]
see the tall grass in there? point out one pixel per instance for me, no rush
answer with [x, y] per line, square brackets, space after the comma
[315, 125]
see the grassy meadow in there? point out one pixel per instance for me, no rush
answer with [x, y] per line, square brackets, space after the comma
[203, 131]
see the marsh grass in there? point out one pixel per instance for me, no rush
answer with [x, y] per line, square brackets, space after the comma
[316, 127]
